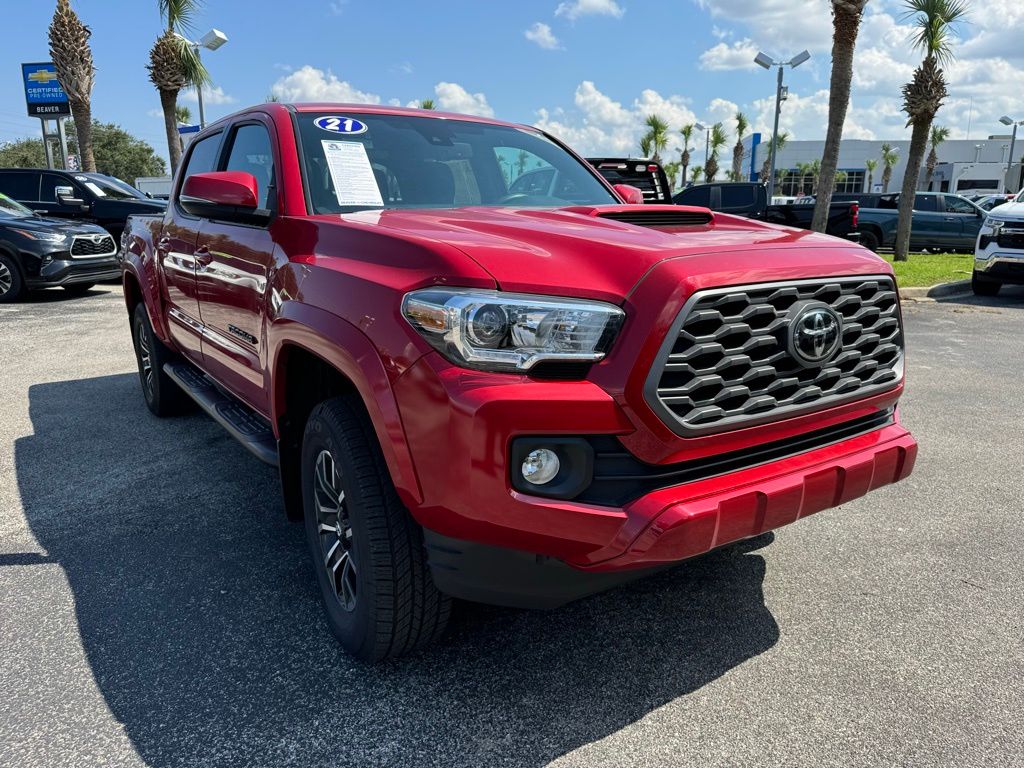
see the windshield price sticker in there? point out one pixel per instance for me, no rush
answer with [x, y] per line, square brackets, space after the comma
[336, 124]
[352, 174]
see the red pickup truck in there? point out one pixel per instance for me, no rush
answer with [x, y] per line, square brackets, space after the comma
[514, 398]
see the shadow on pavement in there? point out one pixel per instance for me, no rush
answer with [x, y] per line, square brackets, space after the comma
[1009, 296]
[198, 615]
[58, 295]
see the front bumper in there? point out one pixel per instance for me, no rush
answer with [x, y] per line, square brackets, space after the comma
[67, 271]
[460, 426]
[999, 263]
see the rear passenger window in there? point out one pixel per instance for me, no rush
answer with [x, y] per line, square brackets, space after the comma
[699, 195]
[251, 153]
[20, 186]
[925, 203]
[203, 156]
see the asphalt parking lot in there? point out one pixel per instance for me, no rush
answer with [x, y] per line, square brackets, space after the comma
[156, 609]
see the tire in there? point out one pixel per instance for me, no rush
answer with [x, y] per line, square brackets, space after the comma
[870, 241]
[982, 286]
[367, 550]
[79, 289]
[163, 397]
[12, 286]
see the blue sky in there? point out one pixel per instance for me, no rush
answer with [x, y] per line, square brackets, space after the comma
[587, 69]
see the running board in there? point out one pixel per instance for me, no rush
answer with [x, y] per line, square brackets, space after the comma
[241, 422]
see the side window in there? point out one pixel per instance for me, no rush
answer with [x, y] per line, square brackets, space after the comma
[202, 157]
[926, 203]
[956, 204]
[251, 153]
[737, 197]
[48, 188]
[20, 186]
[699, 195]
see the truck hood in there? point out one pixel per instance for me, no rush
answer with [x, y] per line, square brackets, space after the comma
[49, 224]
[575, 252]
[1008, 211]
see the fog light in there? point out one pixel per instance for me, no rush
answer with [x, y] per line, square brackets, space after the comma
[540, 466]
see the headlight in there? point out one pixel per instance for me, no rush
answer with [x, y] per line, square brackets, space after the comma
[46, 237]
[494, 331]
[994, 224]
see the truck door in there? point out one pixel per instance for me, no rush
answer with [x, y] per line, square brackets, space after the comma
[968, 218]
[928, 228]
[176, 252]
[234, 265]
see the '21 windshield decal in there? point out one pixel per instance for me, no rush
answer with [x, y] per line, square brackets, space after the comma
[336, 124]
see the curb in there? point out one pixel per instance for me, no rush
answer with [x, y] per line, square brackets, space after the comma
[936, 291]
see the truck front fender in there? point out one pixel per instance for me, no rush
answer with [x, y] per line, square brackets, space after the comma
[346, 349]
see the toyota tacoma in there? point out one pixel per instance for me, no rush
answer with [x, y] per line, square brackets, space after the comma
[510, 397]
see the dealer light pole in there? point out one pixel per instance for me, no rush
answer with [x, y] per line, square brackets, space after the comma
[707, 141]
[1006, 120]
[766, 61]
[211, 41]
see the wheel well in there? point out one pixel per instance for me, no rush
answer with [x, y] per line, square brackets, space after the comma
[307, 381]
[132, 293]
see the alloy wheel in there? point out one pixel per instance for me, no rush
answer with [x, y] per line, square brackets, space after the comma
[6, 279]
[335, 531]
[146, 361]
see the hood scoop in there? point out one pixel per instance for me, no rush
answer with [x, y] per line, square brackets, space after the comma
[658, 216]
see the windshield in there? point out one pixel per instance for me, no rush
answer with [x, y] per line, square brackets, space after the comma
[356, 161]
[108, 186]
[10, 209]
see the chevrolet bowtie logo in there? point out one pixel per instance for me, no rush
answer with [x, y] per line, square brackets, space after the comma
[42, 76]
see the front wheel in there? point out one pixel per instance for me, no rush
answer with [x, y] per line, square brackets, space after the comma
[982, 286]
[367, 550]
[870, 241]
[163, 397]
[12, 287]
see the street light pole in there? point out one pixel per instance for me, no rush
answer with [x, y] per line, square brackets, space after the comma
[211, 41]
[199, 92]
[766, 61]
[1005, 120]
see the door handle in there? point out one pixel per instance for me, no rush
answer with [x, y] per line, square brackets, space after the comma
[949, 218]
[163, 244]
[203, 256]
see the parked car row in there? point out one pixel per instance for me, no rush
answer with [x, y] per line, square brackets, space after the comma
[999, 256]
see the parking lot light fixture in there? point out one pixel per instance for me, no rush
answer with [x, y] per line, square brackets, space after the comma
[764, 60]
[1007, 120]
[211, 41]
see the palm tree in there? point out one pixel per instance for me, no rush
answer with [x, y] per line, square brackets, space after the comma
[775, 145]
[183, 114]
[72, 56]
[697, 174]
[645, 146]
[846, 15]
[935, 21]
[890, 156]
[658, 131]
[737, 151]
[841, 177]
[684, 157]
[781, 174]
[174, 64]
[815, 167]
[671, 169]
[870, 166]
[718, 140]
[803, 170]
[939, 134]
[427, 104]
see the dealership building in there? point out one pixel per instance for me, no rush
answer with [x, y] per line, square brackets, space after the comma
[967, 166]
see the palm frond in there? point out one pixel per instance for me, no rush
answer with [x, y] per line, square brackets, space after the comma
[180, 15]
[935, 23]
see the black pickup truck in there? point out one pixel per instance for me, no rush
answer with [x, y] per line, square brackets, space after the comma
[84, 197]
[750, 199]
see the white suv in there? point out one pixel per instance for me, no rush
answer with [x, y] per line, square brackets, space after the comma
[999, 253]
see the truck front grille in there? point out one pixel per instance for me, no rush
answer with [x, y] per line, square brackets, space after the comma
[91, 246]
[728, 361]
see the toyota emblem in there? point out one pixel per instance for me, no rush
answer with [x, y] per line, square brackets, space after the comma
[815, 333]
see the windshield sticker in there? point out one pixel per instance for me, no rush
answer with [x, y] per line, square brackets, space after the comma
[336, 124]
[95, 189]
[352, 174]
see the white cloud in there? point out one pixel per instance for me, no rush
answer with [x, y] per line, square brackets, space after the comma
[311, 84]
[598, 124]
[211, 96]
[403, 68]
[337, 7]
[542, 35]
[573, 9]
[738, 55]
[452, 97]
